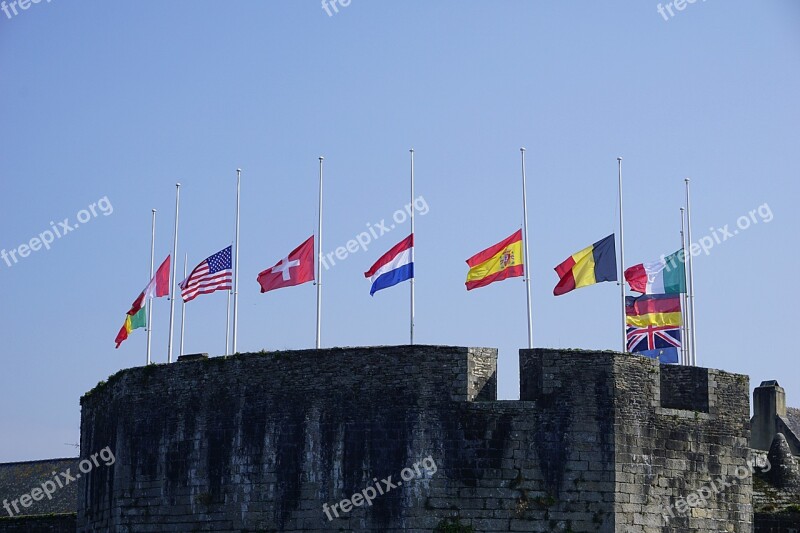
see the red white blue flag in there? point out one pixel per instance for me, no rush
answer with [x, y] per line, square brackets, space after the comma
[395, 266]
[656, 342]
[213, 274]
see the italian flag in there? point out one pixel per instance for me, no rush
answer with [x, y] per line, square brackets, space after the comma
[665, 276]
[135, 318]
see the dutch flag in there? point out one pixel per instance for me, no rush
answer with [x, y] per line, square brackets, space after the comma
[395, 266]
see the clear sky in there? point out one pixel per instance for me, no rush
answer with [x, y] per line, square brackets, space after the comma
[121, 100]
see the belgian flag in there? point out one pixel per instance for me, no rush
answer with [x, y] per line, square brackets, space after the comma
[591, 265]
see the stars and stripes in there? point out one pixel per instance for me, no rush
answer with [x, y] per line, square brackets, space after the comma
[213, 274]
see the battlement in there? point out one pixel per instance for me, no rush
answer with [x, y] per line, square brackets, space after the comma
[599, 441]
[431, 374]
[638, 380]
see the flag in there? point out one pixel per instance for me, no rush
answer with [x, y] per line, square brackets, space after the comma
[654, 326]
[295, 269]
[135, 318]
[212, 274]
[653, 310]
[665, 276]
[395, 266]
[591, 265]
[139, 320]
[158, 287]
[502, 261]
[656, 342]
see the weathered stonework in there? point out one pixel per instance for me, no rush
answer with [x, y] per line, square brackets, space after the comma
[599, 441]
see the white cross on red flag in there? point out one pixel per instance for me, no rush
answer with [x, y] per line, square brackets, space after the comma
[295, 269]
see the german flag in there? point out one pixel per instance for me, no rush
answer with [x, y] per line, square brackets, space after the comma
[496, 263]
[591, 265]
[653, 310]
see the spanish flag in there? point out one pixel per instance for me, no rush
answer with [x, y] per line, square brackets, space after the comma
[591, 265]
[496, 263]
[653, 310]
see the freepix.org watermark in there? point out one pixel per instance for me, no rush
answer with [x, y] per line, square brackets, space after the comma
[59, 481]
[10, 8]
[701, 496]
[57, 230]
[373, 233]
[420, 469]
[717, 236]
[331, 7]
[669, 10]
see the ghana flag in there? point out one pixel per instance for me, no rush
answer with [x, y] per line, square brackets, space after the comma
[496, 263]
[591, 265]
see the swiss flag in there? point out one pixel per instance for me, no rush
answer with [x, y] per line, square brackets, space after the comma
[295, 269]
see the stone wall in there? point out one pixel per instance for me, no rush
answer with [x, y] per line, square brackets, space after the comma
[261, 442]
[59, 523]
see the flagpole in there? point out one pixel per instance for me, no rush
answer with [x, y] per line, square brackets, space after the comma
[183, 304]
[228, 323]
[150, 303]
[319, 261]
[622, 260]
[691, 274]
[236, 264]
[414, 248]
[685, 327]
[174, 268]
[527, 265]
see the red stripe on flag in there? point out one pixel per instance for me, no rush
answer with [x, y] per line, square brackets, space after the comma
[646, 305]
[636, 276]
[485, 255]
[566, 283]
[401, 246]
[162, 279]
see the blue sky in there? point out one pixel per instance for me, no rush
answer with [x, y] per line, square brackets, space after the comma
[121, 100]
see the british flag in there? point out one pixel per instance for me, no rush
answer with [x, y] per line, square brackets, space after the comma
[657, 342]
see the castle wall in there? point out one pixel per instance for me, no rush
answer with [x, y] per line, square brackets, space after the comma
[53, 523]
[261, 442]
[665, 455]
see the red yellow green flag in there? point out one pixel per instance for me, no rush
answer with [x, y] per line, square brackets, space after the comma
[139, 320]
[158, 287]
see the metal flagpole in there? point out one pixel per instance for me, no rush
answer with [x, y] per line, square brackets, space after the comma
[174, 268]
[691, 275]
[236, 263]
[319, 261]
[150, 302]
[413, 252]
[228, 324]
[183, 304]
[685, 317]
[527, 266]
[622, 261]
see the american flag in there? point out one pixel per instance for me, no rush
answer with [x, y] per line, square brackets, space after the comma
[657, 342]
[213, 274]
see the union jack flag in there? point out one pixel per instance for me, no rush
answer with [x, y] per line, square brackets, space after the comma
[656, 342]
